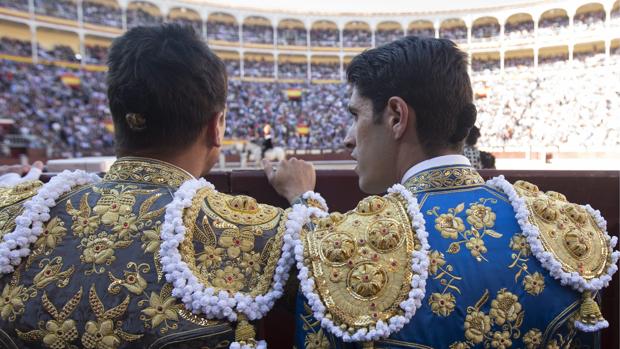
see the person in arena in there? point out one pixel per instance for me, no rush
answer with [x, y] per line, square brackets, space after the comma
[107, 263]
[444, 259]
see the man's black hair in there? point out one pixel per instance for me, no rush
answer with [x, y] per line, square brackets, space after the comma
[431, 76]
[472, 137]
[164, 85]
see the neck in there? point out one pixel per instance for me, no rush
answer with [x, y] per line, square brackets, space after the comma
[408, 158]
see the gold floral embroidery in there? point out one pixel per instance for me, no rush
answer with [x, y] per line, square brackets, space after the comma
[236, 240]
[449, 226]
[532, 339]
[54, 232]
[211, 256]
[501, 340]
[480, 218]
[150, 244]
[160, 311]
[104, 333]
[533, 284]
[51, 272]
[59, 332]
[230, 278]
[12, 302]
[147, 171]
[505, 307]
[316, 340]
[132, 280]
[496, 329]
[251, 262]
[442, 303]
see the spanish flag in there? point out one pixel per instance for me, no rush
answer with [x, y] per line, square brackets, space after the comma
[70, 80]
[293, 94]
[303, 129]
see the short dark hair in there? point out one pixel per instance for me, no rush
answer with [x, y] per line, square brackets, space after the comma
[428, 74]
[164, 85]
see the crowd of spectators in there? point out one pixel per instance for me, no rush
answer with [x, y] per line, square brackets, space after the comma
[258, 68]
[566, 105]
[589, 20]
[66, 9]
[58, 53]
[356, 38]
[427, 32]
[222, 31]
[485, 32]
[519, 30]
[325, 37]
[484, 64]
[101, 14]
[195, 23]
[257, 34]
[137, 17]
[96, 54]
[552, 26]
[15, 47]
[292, 36]
[325, 71]
[457, 34]
[292, 70]
[384, 36]
[69, 121]
[20, 5]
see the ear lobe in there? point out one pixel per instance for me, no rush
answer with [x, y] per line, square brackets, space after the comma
[400, 116]
[213, 131]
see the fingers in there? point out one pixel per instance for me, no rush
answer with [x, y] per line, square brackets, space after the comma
[268, 168]
[38, 164]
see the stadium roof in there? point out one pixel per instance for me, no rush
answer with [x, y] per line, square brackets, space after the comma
[367, 7]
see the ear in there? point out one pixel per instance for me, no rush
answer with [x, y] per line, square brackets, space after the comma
[399, 116]
[214, 130]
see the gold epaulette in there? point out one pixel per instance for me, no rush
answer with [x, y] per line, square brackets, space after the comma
[20, 192]
[361, 261]
[571, 234]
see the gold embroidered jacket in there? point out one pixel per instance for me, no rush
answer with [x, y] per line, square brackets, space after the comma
[94, 279]
[485, 288]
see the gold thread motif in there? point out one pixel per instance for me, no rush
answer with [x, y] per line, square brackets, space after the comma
[59, 332]
[151, 171]
[567, 231]
[497, 328]
[480, 219]
[443, 303]
[20, 192]
[228, 256]
[360, 262]
[241, 209]
[444, 178]
[534, 284]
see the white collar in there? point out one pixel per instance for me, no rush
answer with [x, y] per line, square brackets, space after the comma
[438, 161]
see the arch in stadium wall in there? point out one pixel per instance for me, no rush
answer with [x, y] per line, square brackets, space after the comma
[388, 31]
[453, 29]
[15, 30]
[143, 13]
[183, 14]
[292, 33]
[485, 28]
[325, 35]
[222, 28]
[357, 34]
[232, 60]
[325, 68]
[615, 9]
[593, 8]
[546, 18]
[421, 27]
[485, 61]
[258, 65]
[113, 8]
[50, 39]
[519, 24]
[292, 68]
[257, 31]
[519, 58]
[552, 54]
[615, 47]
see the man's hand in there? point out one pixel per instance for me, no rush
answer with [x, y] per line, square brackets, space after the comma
[290, 178]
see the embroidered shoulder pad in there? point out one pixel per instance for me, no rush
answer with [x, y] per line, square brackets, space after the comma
[568, 231]
[20, 192]
[361, 262]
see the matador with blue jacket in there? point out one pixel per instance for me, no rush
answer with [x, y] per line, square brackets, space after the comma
[439, 257]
